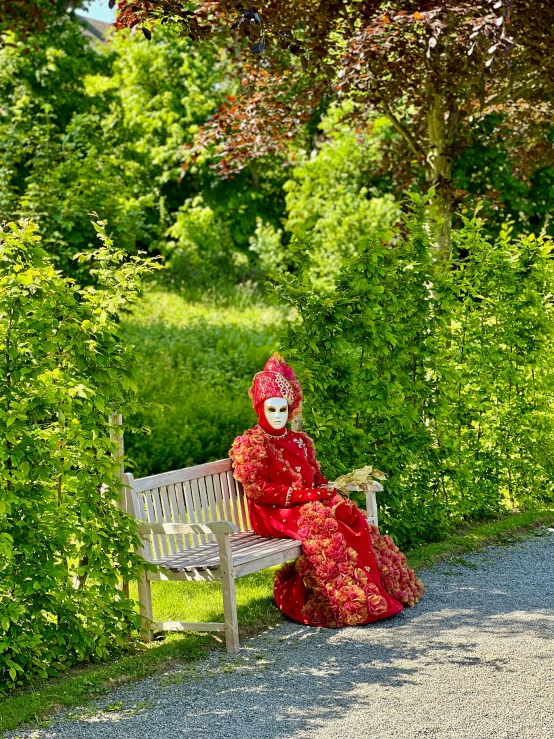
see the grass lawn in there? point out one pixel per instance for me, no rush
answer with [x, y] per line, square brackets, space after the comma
[202, 602]
[195, 363]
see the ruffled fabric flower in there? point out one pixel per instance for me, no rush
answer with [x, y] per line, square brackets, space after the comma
[249, 455]
[397, 579]
[339, 592]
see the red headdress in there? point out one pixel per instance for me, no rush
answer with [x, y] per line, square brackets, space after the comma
[276, 381]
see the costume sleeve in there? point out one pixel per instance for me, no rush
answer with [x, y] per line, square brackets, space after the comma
[319, 479]
[249, 457]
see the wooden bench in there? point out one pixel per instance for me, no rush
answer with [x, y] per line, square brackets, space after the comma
[194, 525]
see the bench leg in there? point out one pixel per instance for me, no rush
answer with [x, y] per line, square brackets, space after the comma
[145, 601]
[229, 594]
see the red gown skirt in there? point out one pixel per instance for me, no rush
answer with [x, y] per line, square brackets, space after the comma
[348, 574]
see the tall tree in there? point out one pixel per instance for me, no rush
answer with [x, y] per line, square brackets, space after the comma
[432, 67]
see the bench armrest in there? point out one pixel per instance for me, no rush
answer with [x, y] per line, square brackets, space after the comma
[374, 486]
[371, 490]
[216, 527]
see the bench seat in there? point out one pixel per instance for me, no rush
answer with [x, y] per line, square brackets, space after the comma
[248, 551]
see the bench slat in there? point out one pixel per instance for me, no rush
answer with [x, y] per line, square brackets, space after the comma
[243, 506]
[209, 553]
[226, 496]
[204, 505]
[218, 492]
[151, 518]
[180, 542]
[168, 517]
[234, 502]
[197, 507]
[210, 561]
[173, 529]
[182, 475]
[156, 501]
[262, 562]
[189, 504]
[291, 549]
[214, 514]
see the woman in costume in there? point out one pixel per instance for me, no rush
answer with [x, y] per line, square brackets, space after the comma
[348, 574]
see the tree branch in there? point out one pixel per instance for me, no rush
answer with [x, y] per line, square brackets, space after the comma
[400, 127]
[520, 78]
[501, 97]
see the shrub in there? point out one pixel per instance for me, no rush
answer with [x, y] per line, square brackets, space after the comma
[438, 373]
[337, 197]
[60, 153]
[64, 542]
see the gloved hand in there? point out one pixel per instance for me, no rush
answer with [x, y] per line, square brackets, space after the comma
[326, 492]
[346, 512]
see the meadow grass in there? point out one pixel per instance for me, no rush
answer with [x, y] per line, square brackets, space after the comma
[203, 602]
[195, 363]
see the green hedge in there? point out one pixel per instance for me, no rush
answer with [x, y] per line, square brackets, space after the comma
[64, 541]
[439, 373]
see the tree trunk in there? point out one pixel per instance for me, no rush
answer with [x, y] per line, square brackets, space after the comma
[439, 174]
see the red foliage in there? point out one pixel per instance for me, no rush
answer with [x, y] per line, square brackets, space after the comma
[271, 111]
[429, 67]
[26, 17]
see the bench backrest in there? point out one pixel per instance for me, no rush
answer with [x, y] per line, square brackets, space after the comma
[201, 494]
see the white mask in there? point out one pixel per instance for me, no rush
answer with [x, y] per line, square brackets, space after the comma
[276, 412]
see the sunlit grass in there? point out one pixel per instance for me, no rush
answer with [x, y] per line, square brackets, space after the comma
[198, 602]
[241, 309]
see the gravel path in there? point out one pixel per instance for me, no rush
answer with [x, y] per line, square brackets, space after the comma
[474, 659]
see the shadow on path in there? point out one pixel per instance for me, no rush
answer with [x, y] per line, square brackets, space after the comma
[478, 648]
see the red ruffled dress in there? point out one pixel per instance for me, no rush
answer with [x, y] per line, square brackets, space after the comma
[348, 573]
